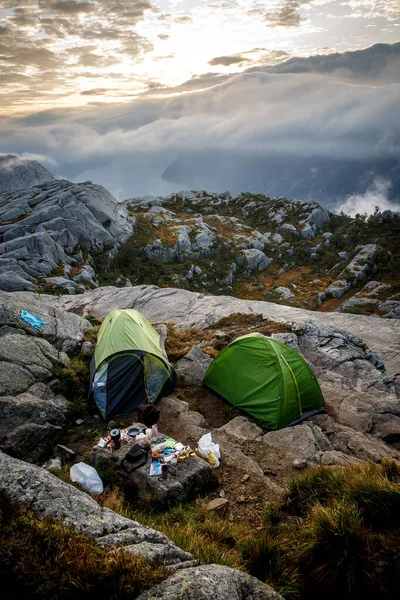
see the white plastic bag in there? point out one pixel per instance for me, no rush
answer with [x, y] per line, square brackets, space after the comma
[209, 451]
[87, 476]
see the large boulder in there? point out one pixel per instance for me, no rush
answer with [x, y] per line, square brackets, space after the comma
[25, 360]
[50, 497]
[30, 426]
[193, 366]
[65, 330]
[211, 581]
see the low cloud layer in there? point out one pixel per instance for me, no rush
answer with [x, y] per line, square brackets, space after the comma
[376, 196]
[298, 134]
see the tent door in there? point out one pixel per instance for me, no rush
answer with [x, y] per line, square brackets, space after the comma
[125, 385]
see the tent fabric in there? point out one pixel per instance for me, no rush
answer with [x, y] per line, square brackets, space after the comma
[128, 366]
[267, 379]
[126, 330]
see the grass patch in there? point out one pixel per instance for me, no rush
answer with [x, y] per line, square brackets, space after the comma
[40, 558]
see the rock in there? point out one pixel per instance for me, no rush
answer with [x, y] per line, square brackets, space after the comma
[87, 348]
[278, 239]
[245, 478]
[217, 504]
[65, 330]
[288, 228]
[254, 260]
[284, 292]
[18, 174]
[299, 463]
[62, 283]
[211, 581]
[50, 497]
[193, 472]
[29, 426]
[242, 429]
[354, 304]
[57, 216]
[335, 458]
[192, 367]
[308, 232]
[299, 441]
[343, 255]
[190, 309]
[54, 465]
[12, 282]
[25, 360]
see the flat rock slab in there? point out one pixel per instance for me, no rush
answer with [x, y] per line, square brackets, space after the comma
[184, 307]
[211, 581]
[50, 497]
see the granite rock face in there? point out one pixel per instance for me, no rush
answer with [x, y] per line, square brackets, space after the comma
[17, 174]
[44, 227]
[50, 497]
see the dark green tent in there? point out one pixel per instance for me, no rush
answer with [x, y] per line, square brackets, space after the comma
[267, 379]
[128, 367]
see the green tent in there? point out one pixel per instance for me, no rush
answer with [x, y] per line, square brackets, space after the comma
[128, 367]
[267, 379]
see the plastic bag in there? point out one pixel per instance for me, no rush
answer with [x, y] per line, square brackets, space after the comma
[87, 476]
[208, 450]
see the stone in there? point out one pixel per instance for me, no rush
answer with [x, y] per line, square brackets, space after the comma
[64, 330]
[193, 472]
[12, 282]
[87, 348]
[254, 260]
[335, 458]
[25, 360]
[299, 441]
[193, 366]
[284, 292]
[242, 429]
[343, 255]
[48, 496]
[29, 426]
[54, 465]
[189, 309]
[217, 504]
[211, 581]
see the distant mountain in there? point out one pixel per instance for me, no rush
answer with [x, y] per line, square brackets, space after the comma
[17, 174]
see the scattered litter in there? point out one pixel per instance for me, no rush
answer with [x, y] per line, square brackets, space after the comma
[208, 450]
[31, 319]
[87, 476]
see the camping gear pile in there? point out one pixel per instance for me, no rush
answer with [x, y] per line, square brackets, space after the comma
[166, 453]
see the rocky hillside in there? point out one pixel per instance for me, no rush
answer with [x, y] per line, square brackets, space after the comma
[64, 237]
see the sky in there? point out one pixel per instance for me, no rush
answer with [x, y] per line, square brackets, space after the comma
[118, 91]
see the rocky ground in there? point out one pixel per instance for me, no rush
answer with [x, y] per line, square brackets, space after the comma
[61, 237]
[58, 236]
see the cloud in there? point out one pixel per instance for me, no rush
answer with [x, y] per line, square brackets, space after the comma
[226, 61]
[377, 195]
[66, 7]
[299, 134]
[287, 15]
